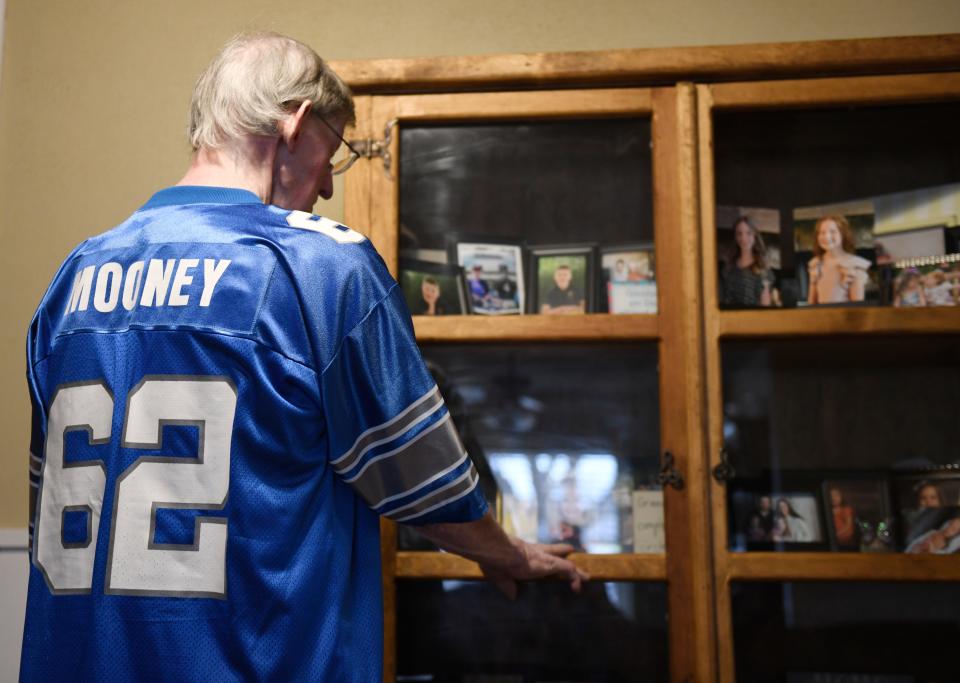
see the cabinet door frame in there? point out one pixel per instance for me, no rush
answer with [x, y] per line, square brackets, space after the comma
[759, 324]
[372, 206]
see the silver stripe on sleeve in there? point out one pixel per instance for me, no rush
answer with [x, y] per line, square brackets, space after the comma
[399, 449]
[35, 458]
[411, 415]
[408, 467]
[448, 494]
[438, 475]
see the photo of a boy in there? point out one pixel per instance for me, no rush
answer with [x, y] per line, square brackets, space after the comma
[565, 297]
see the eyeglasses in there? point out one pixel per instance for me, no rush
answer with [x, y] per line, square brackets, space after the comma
[344, 164]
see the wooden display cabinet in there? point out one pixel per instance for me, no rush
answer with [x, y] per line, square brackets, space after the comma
[826, 326]
[689, 329]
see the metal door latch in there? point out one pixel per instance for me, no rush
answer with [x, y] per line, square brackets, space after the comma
[369, 149]
[669, 474]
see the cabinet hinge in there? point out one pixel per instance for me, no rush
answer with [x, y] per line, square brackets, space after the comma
[370, 149]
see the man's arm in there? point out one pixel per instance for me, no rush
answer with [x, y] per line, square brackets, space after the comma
[503, 559]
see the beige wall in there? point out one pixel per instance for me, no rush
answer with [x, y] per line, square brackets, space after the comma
[93, 98]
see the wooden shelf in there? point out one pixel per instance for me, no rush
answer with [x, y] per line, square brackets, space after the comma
[623, 567]
[589, 327]
[839, 321]
[841, 567]
[652, 65]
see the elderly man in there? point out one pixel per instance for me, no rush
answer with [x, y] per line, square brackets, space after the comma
[227, 394]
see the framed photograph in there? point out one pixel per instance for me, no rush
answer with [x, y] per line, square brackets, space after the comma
[494, 272]
[562, 279]
[835, 253]
[858, 515]
[628, 278]
[768, 519]
[433, 288]
[927, 281]
[766, 223]
[928, 511]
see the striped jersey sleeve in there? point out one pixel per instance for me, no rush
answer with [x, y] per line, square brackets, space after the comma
[391, 435]
[37, 428]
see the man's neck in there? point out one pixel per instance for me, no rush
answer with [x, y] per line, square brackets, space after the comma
[247, 166]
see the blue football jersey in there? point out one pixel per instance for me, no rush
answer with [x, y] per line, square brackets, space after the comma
[226, 396]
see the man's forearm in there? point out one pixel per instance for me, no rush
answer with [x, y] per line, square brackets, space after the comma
[503, 559]
[482, 541]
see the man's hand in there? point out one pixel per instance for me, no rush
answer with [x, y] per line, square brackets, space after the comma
[505, 560]
[536, 561]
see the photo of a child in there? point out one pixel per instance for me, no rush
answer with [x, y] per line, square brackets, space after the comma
[858, 515]
[836, 274]
[927, 281]
[432, 288]
[564, 294]
[908, 289]
[562, 279]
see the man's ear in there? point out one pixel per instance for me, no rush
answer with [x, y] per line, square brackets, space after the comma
[291, 125]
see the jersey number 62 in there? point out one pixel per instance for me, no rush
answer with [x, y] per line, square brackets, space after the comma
[135, 563]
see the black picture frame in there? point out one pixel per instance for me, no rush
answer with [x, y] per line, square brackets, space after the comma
[635, 291]
[858, 513]
[494, 271]
[919, 521]
[450, 282]
[753, 529]
[545, 261]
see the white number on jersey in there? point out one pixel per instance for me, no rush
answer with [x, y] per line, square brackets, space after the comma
[325, 226]
[135, 563]
[69, 568]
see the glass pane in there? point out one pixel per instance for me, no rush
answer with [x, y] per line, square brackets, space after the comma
[539, 214]
[837, 631]
[565, 438]
[610, 632]
[888, 176]
[849, 432]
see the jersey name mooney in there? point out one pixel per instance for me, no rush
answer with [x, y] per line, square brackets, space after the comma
[146, 283]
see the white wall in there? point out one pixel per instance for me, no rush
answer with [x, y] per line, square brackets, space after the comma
[14, 567]
[3, 12]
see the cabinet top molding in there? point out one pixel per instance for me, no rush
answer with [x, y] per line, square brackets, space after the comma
[651, 66]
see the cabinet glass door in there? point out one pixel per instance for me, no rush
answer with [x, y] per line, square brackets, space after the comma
[830, 219]
[520, 226]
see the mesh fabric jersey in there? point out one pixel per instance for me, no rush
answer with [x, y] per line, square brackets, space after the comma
[226, 396]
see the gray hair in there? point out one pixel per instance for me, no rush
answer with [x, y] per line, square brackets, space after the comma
[252, 84]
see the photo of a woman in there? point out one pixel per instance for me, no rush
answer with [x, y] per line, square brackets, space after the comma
[836, 273]
[789, 525]
[745, 279]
